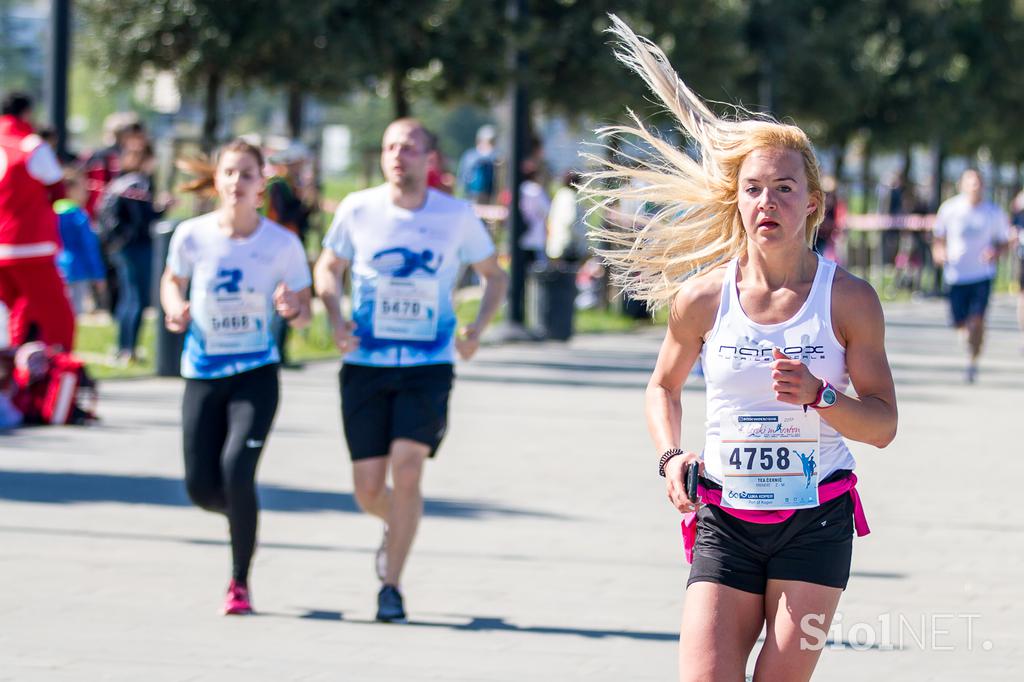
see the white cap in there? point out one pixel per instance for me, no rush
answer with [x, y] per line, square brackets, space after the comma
[486, 133]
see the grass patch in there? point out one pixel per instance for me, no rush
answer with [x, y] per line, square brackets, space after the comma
[96, 343]
[96, 338]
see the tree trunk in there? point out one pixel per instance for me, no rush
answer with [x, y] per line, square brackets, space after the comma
[211, 121]
[398, 94]
[867, 187]
[296, 112]
[840, 152]
[938, 161]
[908, 162]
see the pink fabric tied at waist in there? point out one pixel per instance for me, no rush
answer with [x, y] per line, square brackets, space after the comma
[826, 493]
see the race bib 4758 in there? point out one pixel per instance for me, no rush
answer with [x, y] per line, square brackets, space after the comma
[769, 459]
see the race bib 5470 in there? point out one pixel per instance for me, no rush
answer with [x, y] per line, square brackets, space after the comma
[405, 309]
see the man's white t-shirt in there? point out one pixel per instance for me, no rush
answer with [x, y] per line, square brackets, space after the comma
[970, 230]
[232, 283]
[404, 268]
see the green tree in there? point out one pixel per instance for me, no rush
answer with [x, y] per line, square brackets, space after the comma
[206, 43]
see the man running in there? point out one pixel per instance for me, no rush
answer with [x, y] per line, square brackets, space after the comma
[970, 236]
[405, 245]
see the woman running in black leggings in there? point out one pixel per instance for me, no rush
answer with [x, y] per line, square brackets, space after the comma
[227, 272]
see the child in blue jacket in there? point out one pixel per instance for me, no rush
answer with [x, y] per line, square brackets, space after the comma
[80, 261]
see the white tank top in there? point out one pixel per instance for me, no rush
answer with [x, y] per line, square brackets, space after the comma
[737, 357]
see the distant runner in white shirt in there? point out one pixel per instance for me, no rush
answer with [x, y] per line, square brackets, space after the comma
[970, 236]
[404, 245]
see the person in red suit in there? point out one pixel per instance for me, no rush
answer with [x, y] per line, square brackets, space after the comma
[30, 180]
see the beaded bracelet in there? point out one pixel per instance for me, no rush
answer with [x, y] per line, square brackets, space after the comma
[665, 457]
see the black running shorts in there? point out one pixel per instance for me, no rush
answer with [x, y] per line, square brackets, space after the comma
[968, 300]
[381, 404]
[814, 546]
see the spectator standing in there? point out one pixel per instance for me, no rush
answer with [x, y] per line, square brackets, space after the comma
[438, 176]
[30, 284]
[831, 225]
[284, 205]
[476, 168]
[127, 210]
[104, 165]
[1017, 217]
[80, 260]
[534, 204]
[567, 229]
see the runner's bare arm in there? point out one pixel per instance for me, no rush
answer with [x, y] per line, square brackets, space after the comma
[327, 275]
[860, 325]
[172, 300]
[495, 286]
[939, 250]
[690, 318]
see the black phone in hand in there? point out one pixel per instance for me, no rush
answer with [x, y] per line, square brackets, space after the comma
[690, 478]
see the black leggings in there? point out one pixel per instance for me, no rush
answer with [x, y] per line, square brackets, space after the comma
[225, 422]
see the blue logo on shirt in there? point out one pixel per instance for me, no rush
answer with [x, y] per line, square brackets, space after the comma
[401, 263]
[411, 261]
[227, 281]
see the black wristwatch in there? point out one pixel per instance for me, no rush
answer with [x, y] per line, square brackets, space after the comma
[665, 457]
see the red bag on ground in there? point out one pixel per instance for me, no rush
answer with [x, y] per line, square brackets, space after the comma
[53, 387]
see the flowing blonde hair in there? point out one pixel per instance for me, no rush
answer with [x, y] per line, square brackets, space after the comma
[697, 223]
[203, 169]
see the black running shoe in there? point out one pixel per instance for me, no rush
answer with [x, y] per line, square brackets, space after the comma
[389, 605]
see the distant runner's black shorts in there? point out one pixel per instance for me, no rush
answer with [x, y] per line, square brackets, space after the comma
[813, 546]
[969, 300]
[380, 404]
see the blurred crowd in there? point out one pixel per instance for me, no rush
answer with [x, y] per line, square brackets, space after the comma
[77, 238]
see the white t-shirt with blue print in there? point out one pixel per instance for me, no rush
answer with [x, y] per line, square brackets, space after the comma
[404, 268]
[231, 289]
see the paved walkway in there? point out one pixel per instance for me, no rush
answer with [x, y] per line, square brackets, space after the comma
[548, 551]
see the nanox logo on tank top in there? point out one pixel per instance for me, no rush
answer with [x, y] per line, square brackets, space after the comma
[747, 350]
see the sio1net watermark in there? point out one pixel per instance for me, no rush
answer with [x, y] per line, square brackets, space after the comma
[953, 631]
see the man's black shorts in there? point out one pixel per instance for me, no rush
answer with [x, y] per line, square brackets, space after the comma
[380, 404]
[969, 300]
[814, 546]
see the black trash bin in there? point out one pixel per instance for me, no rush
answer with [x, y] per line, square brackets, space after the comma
[167, 362]
[556, 300]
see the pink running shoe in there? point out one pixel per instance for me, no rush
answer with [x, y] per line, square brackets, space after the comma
[237, 601]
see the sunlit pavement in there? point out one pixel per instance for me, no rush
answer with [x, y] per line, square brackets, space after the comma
[548, 551]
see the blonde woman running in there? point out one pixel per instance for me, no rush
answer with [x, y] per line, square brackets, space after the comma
[778, 330]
